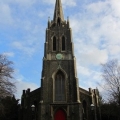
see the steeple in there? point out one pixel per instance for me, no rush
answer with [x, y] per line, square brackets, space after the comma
[58, 13]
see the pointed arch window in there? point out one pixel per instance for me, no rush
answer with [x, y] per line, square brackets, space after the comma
[60, 86]
[54, 43]
[63, 43]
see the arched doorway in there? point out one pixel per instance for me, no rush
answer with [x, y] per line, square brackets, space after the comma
[60, 115]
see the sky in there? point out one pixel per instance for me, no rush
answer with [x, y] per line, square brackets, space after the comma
[95, 30]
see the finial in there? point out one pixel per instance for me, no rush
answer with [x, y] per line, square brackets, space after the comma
[48, 22]
[68, 24]
[67, 18]
[48, 18]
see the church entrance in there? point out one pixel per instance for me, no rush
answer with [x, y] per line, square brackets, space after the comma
[60, 115]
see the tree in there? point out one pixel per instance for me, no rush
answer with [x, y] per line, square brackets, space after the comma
[109, 111]
[111, 80]
[7, 87]
[11, 108]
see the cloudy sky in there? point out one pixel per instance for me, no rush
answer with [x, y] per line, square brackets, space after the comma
[96, 35]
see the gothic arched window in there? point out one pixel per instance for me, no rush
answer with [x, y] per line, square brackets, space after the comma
[60, 86]
[63, 43]
[54, 43]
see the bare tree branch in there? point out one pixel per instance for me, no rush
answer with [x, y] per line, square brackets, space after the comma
[111, 78]
[7, 87]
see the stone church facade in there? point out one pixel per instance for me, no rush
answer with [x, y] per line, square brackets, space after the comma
[59, 97]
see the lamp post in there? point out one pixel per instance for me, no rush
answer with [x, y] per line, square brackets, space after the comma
[33, 112]
[93, 111]
[119, 96]
[119, 101]
[33, 108]
[92, 106]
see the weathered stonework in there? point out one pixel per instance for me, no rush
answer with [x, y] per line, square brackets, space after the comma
[77, 101]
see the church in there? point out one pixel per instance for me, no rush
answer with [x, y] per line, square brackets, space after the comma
[59, 97]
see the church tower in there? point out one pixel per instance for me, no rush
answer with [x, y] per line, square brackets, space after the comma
[59, 84]
[59, 97]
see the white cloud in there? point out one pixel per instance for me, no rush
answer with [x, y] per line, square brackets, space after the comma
[83, 70]
[107, 19]
[70, 3]
[99, 7]
[87, 54]
[96, 36]
[9, 54]
[64, 2]
[90, 80]
[94, 56]
[5, 14]
[96, 33]
[26, 3]
[22, 84]
[26, 48]
[30, 41]
[97, 29]
[41, 14]
[115, 4]
[114, 49]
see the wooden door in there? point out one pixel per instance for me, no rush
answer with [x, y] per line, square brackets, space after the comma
[60, 115]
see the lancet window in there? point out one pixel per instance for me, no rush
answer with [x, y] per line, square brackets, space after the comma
[60, 86]
[54, 43]
[63, 43]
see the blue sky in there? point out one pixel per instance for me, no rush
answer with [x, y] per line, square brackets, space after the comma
[95, 25]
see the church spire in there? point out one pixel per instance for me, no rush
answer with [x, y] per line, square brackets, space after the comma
[58, 13]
